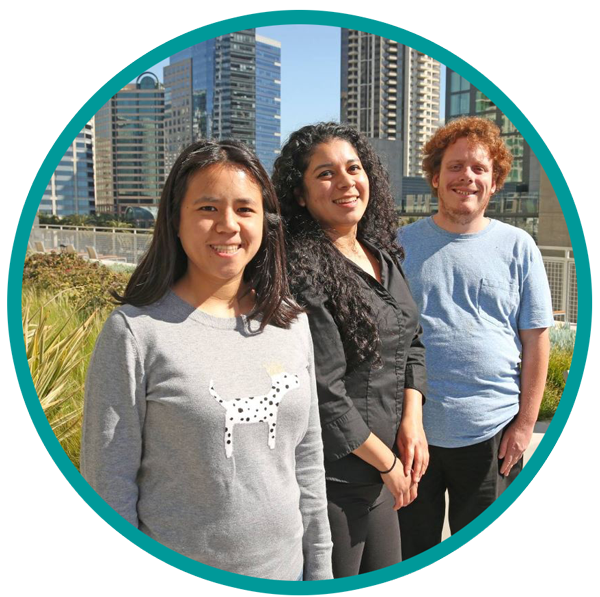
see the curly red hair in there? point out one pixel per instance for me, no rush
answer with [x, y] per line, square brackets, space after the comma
[476, 130]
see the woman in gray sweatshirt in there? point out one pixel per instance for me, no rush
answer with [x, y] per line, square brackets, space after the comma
[201, 422]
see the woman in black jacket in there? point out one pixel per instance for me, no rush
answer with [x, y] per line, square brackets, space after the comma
[343, 264]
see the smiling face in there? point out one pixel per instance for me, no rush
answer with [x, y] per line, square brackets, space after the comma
[335, 187]
[465, 184]
[221, 223]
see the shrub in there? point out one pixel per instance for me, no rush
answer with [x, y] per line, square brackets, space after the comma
[560, 361]
[86, 283]
[562, 338]
[562, 344]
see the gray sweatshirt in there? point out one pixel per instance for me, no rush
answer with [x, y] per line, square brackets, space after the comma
[205, 435]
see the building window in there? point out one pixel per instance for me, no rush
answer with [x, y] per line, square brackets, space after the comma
[459, 104]
[483, 103]
[515, 144]
[508, 126]
[458, 83]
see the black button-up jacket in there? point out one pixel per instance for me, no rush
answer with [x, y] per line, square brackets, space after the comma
[355, 402]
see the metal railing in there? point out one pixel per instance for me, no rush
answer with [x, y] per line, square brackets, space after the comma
[130, 244]
[562, 277]
[123, 244]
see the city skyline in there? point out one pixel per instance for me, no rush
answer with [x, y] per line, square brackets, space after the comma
[331, 33]
[305, 66]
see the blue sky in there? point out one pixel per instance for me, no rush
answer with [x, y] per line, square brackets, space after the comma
[310, 74]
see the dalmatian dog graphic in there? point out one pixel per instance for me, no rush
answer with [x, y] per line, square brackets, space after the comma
[255, 409]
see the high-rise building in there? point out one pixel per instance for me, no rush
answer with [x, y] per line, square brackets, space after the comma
[189, 82]
[130, 147]
[234, 111]
[268, 100]
[390, 91]
[421, 106]
[225, 88]
[54, 83]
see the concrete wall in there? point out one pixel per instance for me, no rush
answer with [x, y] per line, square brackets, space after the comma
[560, 134]
[390, 153]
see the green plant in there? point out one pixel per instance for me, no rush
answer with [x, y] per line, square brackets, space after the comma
[98, 220]
[57, 344]
[562, 343]
[562, 338]
[44, 218]
[560, 361]
[86, 283]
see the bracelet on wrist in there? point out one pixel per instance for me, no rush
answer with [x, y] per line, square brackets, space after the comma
[391, 467]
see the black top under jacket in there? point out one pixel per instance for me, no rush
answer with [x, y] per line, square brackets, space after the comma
[355, 402]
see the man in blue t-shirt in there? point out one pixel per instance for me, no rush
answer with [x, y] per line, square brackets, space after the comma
[485, 309]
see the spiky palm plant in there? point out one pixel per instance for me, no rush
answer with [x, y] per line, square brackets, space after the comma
[55, 351]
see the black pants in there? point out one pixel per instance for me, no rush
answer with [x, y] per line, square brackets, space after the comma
[364, 528]
[473, 480]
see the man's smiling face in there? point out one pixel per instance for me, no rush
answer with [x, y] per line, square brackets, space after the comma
[465, 182]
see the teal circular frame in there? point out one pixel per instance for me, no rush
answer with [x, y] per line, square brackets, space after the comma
[293, 17]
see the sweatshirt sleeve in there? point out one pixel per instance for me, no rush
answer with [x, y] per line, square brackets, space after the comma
[343, 427]
[114, 411]
[310, 474]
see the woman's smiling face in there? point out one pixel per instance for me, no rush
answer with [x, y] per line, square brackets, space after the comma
[335, 186]
[221, 222]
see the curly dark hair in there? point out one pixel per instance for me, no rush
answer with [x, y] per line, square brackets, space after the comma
[313, 260]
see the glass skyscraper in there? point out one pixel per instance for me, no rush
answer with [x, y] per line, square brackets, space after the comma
[225, 88]
[268, 100]
[130, 147]
[54, 85]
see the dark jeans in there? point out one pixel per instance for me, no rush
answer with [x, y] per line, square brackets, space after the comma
[364, 528]
[473, 480]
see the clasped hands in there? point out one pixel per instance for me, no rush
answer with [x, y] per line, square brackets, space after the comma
[403, 479]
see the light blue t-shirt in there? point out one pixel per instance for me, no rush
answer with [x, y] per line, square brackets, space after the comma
[474, 292]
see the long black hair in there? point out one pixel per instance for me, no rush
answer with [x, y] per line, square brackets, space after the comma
[165, 262]
[313, 260]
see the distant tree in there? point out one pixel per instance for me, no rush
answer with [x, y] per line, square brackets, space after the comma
[48, 219]
[74, 220]
[99, 220]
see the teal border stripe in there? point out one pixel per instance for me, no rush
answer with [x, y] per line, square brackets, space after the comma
[307, 17]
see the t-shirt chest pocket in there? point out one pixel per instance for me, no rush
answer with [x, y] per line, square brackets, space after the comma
[497, 301]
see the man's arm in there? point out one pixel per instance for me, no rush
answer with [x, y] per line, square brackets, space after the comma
[534, 367]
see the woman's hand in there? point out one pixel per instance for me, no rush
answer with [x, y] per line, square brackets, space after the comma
[411, 440]
[400, 486]
[378, 455]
